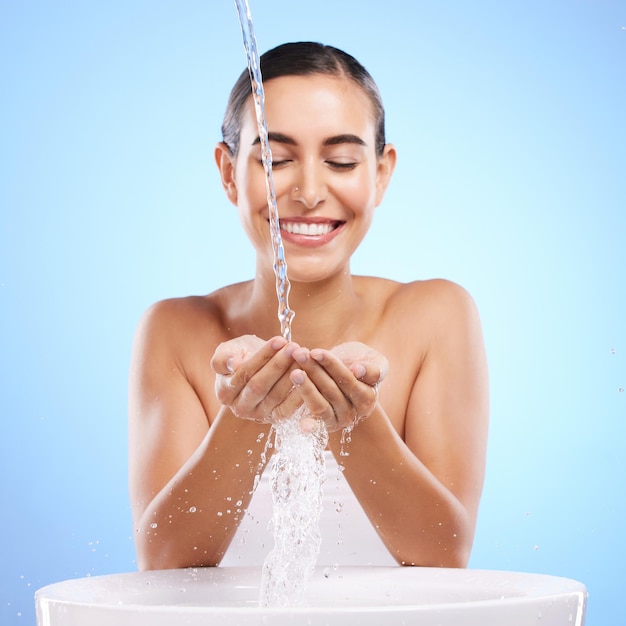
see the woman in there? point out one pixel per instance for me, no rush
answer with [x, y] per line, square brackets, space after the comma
[210, 374]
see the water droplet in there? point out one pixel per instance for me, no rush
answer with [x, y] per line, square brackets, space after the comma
[346, 438]
[192, 509]
[153, 525]
[621, 389]
[535, 548]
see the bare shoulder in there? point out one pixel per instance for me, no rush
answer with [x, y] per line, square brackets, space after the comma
[177, 314]
[162, 336]
[438, 302]
[436, 291]
[194, 318]
[172, 349]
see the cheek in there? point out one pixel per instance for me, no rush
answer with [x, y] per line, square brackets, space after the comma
[251, 186]
[359, 193]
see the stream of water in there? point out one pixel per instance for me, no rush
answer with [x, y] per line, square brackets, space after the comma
[285, 314]
[297, 468]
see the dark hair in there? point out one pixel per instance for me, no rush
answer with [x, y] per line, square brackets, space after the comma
[301, 59]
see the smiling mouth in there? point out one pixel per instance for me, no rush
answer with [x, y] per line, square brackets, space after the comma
[309, 229]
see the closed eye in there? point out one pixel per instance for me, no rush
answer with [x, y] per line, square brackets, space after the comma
[340, 165]
[280, 162]
[277, 163]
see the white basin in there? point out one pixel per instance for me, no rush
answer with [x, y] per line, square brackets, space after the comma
[368, 596]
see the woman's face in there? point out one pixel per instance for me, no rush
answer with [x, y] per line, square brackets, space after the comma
[327, 177]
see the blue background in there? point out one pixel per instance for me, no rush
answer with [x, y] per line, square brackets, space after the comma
[509, 122]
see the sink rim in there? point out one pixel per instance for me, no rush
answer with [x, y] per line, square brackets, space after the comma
[520, 588]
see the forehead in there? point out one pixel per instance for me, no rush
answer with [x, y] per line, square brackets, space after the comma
[315, 102]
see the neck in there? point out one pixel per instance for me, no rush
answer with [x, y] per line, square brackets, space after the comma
[325, 310]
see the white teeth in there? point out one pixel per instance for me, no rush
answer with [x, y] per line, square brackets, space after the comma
[313, 230]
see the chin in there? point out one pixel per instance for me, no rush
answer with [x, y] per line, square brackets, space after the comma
[310, 277]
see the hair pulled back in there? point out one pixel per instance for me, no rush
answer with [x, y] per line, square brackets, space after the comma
[301, 59]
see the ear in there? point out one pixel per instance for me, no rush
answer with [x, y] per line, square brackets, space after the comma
[384, 170]
[226, 165]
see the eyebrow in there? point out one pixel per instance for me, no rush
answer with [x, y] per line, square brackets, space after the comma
[335, 140]
[345, 138]
[278, 138]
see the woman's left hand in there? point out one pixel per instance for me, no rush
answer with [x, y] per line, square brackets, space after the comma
[339, 386]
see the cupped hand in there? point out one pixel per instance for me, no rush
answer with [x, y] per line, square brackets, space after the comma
[252, 377]
[338, 386]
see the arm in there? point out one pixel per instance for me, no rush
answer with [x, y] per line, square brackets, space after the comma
[423, 490]
[419, 474]
[193, 517]
[191, 476]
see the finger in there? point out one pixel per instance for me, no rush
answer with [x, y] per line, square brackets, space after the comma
[362, 394]
[323, 398]
[230, 355]
[370, 373]
[367, 364]
[280, 401]
[327, 381]
[243, 369]
[233, 380]
[266, 387]
[288, 405]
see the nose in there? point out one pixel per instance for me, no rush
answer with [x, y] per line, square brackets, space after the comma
[310, 187]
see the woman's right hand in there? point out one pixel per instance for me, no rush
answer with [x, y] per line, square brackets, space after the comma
[252, 378]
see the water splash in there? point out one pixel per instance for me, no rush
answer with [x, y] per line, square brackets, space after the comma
[285, 314]
[297, 476]
[298, 468]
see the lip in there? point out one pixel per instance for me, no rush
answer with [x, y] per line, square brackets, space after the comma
[307, 240]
